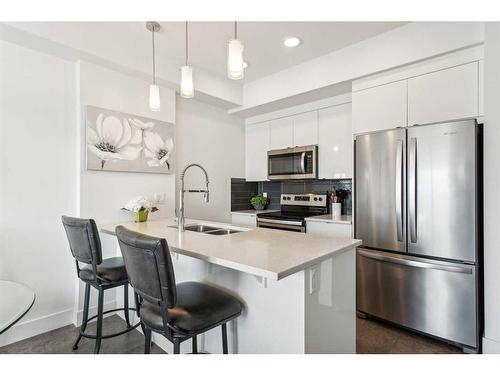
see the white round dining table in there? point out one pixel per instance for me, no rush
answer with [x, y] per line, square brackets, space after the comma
[16, 300]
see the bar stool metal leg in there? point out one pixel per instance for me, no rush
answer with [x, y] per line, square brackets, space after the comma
[177, 346]
[147, 340]
[100, 307]
[125, 303]
[224, 339]
[85, 316]
[195, 345]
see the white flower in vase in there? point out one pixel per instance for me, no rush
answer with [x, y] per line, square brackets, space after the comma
[140, 208]
[113, 140]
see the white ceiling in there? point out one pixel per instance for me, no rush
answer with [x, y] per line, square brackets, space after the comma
[130, 42]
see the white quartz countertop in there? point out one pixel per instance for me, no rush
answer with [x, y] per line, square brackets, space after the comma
[269, 253]
[344, 219]
[251, 212]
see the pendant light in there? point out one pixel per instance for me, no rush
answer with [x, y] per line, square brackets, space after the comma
[187, 86]
[235, 67]
[154, 89]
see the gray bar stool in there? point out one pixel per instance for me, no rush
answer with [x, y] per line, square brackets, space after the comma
[177, 311]
[99, 273]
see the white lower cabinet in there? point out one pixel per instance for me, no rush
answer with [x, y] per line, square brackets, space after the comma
[244, 220]
[329, 229]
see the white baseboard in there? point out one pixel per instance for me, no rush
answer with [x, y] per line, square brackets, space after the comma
[24, 330]
[491, 346]
[37, 326]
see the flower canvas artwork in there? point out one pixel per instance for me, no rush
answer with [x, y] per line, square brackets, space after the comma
[117, 141]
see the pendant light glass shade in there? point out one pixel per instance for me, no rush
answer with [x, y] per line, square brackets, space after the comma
[187, 86]
[235, 68]
[154, 97]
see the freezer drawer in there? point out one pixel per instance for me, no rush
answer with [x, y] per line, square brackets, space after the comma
[434, 297]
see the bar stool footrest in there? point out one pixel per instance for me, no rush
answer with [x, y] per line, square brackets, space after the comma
[128, 329]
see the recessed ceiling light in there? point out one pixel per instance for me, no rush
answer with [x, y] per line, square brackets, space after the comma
[291, 41]
[245, 65]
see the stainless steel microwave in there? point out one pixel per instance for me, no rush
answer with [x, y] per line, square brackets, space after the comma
[293, 163]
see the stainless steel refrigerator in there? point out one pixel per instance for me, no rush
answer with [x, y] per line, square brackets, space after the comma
[417, 211]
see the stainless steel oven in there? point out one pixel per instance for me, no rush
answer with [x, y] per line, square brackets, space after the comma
[293, 163]
[294, 209]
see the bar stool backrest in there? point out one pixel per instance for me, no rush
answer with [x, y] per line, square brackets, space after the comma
[149, 266]
[83, 238]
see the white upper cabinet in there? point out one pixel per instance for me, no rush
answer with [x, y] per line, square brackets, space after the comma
[481, 88]
[335, 152]
[281, 133]
[379, 108]
[447, 94]
[305, 129]
[256, 147]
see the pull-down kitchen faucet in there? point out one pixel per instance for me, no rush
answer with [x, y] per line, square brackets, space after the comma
[182, 191]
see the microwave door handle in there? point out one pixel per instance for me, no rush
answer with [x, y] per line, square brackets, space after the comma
[303, 162]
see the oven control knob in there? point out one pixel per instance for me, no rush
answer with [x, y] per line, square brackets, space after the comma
[320, 199]
[315, 199]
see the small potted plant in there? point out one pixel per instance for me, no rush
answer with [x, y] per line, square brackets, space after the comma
[140, 208]
[259, 202]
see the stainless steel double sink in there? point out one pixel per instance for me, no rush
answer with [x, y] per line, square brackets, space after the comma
[208, 229]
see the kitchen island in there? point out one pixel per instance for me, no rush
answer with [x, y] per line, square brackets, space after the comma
[298, 289]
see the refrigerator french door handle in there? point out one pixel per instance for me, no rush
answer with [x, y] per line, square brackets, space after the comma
[399, 190]
[412, 189]
[421, 263]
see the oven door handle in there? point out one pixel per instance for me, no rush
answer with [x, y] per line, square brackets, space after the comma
[287, 222]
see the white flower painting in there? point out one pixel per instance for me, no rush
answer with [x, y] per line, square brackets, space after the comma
[118, 141]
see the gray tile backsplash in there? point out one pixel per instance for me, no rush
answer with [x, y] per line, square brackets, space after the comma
[275, 188]
[242, 191]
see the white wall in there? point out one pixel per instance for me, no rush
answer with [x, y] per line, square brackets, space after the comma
[102, 194]
[38, 184]
[491, 187]
[209, 136]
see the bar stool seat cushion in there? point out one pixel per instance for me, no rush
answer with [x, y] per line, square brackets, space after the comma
[110, 270]
[199, 308]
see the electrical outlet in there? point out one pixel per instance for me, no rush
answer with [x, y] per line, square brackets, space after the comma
[314, 278]
[264, 194]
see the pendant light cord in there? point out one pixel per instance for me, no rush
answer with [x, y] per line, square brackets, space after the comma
[187, 43]
[154, 63]
[235, 29]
